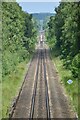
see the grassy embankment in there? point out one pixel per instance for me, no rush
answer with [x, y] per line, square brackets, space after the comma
[11, 85]
[65, 75]
[0, 83]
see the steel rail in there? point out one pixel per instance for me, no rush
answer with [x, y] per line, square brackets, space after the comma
[47, 95]
[34, 92]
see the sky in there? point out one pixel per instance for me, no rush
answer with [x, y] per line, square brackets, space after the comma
[37, 7]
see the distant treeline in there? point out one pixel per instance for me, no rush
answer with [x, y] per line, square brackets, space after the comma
[64, 33]
[18, 35]
[42, 16]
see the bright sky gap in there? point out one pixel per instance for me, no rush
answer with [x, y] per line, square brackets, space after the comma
[39, 7]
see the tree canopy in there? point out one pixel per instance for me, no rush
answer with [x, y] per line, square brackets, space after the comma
[63, 30]
[18, 35]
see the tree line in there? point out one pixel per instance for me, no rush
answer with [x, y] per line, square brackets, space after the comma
[18, 36]
[64, 34]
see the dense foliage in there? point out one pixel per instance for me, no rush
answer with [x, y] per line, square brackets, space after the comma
[19, 36]
[63, 30]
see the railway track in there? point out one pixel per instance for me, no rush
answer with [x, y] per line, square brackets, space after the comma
[41, 94]
[21, 107]
[34, 102]
[40, 98]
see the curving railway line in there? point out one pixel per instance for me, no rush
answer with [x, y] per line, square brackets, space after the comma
[41, 94]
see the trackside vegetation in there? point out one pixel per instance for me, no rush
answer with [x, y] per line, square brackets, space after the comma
[19, 37]
[63, 37]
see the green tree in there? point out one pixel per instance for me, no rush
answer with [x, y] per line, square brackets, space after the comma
[65, 27]
[19, 36]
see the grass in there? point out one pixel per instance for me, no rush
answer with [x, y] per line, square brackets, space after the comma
[10, 87]
[0, 101]
[65, 75]
[0, 82]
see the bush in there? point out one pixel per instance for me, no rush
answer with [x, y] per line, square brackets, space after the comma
[76, 66]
